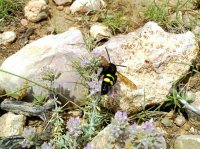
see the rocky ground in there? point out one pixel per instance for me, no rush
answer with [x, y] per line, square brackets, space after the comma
[161, 59]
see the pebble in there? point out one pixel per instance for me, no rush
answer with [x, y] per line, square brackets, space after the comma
[192, 130]
[36, 10]
[99, 30]
[7, 37]
[60, 8]
[180, 120]
[32, 37]
[63, 2]
[24, 22]
[167, 122]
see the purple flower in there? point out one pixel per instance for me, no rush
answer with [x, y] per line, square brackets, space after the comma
[134, 128]
[73, 125]
[89, 146]
[85, 63]
[120, 124]
[95, 86]
[148, 126]
[26, 144]
[116, 132]
[97, 52]
[47, 145]
[147, 135]
[121, 116]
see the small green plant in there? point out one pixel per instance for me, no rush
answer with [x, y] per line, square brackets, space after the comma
[158, 13]
[173, 101]
[10, 9]
[116, 22]
[58, 123]
[171, 17]
[89, 41]
[39, 99]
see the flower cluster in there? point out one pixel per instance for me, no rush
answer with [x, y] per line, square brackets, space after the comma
[74, 126]
[119, 128]
[47, 145]
[135, 136]
[121, 117]
[146, 136]
[89, 146]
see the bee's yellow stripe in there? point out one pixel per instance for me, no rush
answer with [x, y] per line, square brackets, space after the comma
[109, 75]
[108, 81]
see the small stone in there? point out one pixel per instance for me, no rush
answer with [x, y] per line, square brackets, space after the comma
[86, 5]
[192, 130]
[24, 22]
[63, 2]
[60, 8]
[36, 10]
[186, 126]
[32, 37]
[11, 124]
[167, 122]
[7, 37]
[180, 120]
[99, 30]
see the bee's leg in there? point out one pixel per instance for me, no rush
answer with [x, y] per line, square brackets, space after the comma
[115, 79]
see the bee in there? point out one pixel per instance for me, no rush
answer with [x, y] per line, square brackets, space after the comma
[110, 75]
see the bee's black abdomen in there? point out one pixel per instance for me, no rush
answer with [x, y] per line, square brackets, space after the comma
[109, 78]
[105, 88]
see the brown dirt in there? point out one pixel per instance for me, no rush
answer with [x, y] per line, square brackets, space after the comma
[60, 22]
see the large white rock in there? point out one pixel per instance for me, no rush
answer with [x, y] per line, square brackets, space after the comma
[36, 10]
[154, 60]
[53, 52]
[11, 124]
[86, 5]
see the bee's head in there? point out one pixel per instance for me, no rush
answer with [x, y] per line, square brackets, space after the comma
[112, 68]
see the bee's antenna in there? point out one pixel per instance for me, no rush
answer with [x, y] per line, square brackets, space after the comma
[121, 65]
[108, 54]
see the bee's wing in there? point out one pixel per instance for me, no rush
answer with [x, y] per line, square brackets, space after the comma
[104, 61]
[126, 81]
